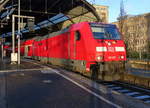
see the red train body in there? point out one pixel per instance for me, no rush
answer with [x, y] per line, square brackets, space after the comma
[94, 49]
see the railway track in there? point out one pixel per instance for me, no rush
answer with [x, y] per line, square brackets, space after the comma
[134, 91]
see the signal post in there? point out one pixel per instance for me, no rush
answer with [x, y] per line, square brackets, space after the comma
[15, 57]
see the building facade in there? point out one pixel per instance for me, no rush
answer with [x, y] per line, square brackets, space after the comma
[102, 12]
[136, 33]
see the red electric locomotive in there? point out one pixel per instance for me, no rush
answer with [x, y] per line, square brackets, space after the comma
[93, 49]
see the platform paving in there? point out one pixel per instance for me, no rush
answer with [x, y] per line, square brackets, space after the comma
[34, 85]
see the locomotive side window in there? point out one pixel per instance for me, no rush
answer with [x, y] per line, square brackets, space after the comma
[77, 35]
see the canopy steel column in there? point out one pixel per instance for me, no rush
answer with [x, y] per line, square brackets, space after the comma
[18, 32]
[14, 56]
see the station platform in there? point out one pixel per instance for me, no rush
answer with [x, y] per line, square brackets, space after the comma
[137, 75]
[35, 85]
[140, 72]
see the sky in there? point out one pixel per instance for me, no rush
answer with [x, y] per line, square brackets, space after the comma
[132, 7]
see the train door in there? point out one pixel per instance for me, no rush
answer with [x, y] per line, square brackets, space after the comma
[27, 48]
[75, 37]
[72, 45]
[33, 49]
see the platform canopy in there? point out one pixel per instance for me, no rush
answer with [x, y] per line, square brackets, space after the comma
[69, 11]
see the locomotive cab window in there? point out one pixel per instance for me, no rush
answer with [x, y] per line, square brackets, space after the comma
[77, 35]
[105, 32]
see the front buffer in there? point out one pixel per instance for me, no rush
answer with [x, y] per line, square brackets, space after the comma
[108, 71]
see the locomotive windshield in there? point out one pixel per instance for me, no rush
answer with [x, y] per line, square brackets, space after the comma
[105, 32]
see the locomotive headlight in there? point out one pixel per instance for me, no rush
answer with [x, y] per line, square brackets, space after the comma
[99, 58]
[113, 42]
[109, 43]
[121, 57]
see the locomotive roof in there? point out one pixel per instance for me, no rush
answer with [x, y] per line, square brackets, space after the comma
[102, 24]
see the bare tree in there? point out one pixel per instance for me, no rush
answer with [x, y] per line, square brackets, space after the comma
[148, 34]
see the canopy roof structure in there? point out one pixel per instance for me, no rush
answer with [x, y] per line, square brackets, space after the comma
[60, 13]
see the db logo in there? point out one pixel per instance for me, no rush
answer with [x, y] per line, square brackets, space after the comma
[111, 49]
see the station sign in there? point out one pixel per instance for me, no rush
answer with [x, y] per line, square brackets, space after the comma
[30, 24]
